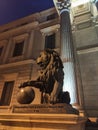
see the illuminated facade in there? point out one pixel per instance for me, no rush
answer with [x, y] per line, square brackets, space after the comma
[22, 41]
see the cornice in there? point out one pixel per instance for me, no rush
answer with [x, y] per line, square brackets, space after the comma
[18, 30]
[19, 63]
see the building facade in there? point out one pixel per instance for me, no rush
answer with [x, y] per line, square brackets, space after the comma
[22, 41]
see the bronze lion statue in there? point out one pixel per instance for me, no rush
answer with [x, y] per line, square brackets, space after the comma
[51, 72]
[50, 77]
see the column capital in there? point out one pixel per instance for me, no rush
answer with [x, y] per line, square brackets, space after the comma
[63, 5]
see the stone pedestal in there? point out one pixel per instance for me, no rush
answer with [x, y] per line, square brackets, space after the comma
[14, 121]
[35, 117]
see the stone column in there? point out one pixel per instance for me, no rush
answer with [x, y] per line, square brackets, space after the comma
[96, 3]
[67, 49]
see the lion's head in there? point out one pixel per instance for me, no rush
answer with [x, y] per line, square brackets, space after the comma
[43, 59]
[49, 57]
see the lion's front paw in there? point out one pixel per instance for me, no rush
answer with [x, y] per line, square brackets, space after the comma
[22, 85]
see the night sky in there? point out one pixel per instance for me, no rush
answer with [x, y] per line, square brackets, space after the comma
[11, 10]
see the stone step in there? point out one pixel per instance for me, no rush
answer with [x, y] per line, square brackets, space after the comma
[91, 125]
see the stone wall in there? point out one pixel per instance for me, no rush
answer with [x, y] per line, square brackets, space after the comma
[87, 51]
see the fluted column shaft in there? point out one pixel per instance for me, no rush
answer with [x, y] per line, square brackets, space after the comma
[96, 3]
[66, 36]
[67, 48]
[67, 55]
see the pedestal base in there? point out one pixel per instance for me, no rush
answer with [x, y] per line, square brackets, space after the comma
[18, 119]
[42, 122]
